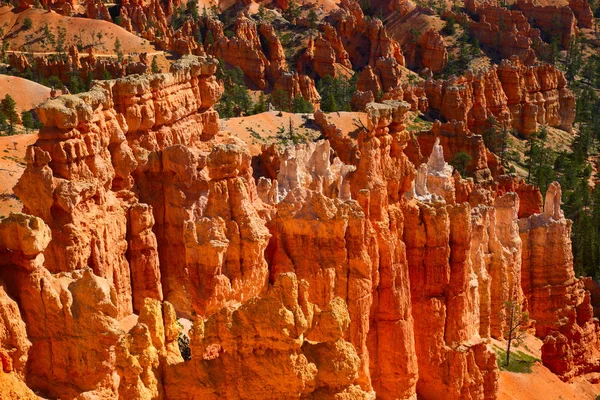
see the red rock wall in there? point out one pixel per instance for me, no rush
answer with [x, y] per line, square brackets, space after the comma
[515, 95]
[551, 19]
[330, 277]
[507, 31]
[557, 301]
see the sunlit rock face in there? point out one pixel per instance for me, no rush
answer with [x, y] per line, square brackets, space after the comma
[354, 267]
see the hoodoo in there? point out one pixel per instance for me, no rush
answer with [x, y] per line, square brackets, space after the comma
[346, 201]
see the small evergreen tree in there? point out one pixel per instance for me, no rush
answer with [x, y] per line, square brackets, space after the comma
[9, 109]
[28, 121]
[301, 105]
[154, 66]
[574, 59]
[235, 100]
[365, 5]
[27, 24]
[292, 12]
[460, 162]
[192, 10]
[118, 49]
[88, 80]
[312, 18]
[336, 93]
[76, 84]
[209, 38]
[3, 124]
[261, 104]
[449, 27]
[281, 100]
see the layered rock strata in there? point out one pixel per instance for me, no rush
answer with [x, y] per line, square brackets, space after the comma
[511, 94]
[343, 270]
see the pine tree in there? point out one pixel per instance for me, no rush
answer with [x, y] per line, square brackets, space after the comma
[312, 19]
[292, 12]
[301, 105]
[118, 49]
[27, 120]
[88, 80]
[9, 109]
[574, 59]
[281, 100]
[3, 125]
[336, 93]
[261, 104]
[76, 84]
[154, 66]
[27, 24]
[235, 100]
[460, 162]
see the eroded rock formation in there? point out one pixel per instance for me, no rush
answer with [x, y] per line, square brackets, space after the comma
[511, 94]
[506, 30]
[357, 267]
[567, 326]
[86, 67]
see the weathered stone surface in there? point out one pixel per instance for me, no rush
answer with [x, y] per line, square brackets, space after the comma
[84, 66]
[299, 85]
[557, 301]
[344, 272]
[583, 13]
[536, 95]
[288, 345]
[551, 19]
[507, 31]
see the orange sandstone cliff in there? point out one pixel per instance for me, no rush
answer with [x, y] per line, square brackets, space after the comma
[355, 267]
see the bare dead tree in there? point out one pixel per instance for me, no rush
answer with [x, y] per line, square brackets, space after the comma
[516, 318]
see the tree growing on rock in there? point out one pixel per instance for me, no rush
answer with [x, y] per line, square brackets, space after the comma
[336, 93]
[515, 319]
[27, 24]
[118, 49]
[281, 100]
[235, 100]
[292, 12]
[540, 161]
[154, 66]
[460, 162]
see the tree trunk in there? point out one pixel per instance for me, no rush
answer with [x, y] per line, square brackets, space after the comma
[511, 329]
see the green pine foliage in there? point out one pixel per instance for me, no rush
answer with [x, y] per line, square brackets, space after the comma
[76, 84]
[27, 24]
[460, 162]
[235, 100]
[154, 66]
[261, 104]
[280, 99]
[8, 115]
[581, 202]
[9, 109]
[336, 93]
[30, 121]
[301, 105]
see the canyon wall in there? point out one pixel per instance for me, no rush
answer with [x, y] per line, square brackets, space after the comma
[511, 94]
[354, 268]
